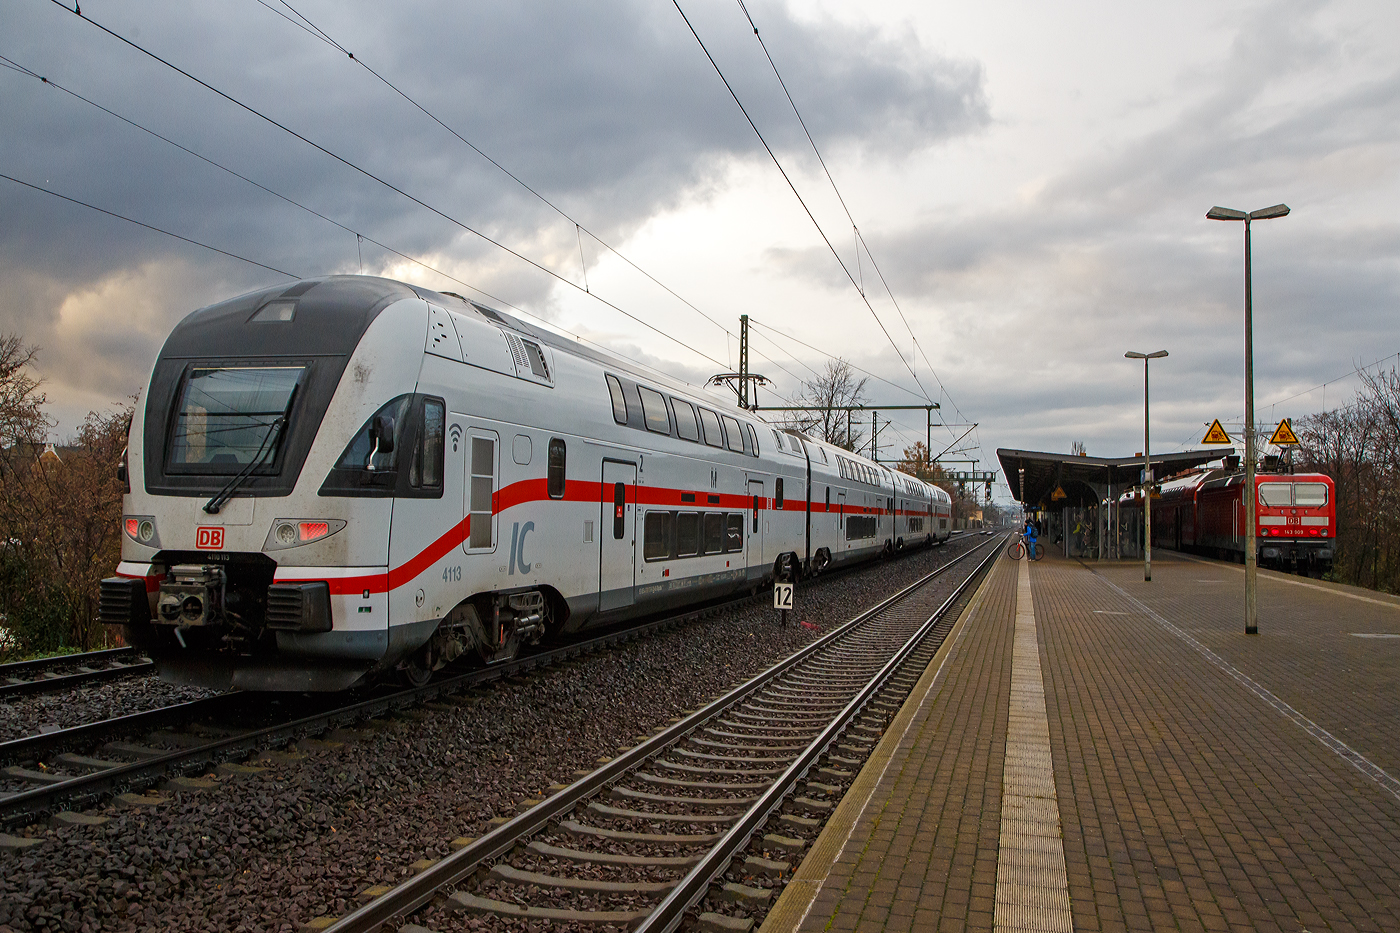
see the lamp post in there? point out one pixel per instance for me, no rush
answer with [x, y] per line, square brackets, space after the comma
[1251, 558]
[1146, 465]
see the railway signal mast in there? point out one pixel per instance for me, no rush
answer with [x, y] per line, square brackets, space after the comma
[1251, 495]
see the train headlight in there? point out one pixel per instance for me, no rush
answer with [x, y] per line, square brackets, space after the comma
[141, 529]
[294, 532]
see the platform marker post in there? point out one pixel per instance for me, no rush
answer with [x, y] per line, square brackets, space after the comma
[783, 600]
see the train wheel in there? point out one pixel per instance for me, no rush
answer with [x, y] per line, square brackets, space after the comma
[417, 669]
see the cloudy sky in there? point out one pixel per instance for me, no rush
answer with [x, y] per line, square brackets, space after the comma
[1031, 180]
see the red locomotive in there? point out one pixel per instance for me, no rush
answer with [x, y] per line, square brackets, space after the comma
[1203, 512]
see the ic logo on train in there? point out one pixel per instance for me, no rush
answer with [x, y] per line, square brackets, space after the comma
[209, 539]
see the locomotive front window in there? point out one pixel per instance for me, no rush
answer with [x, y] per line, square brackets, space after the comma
[226, 417]
[1276, 495]
[1310, 495]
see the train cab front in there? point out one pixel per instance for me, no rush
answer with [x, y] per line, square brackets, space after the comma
[238, 569]
[1296, 523]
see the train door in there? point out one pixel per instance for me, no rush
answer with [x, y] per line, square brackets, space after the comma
[477, 495]
[757, 562]
[617, 563]
[841, 519]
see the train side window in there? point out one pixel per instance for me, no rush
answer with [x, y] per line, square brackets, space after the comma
[714, 532]
[687, 534]
[736, 436]
[828, 498]
[753, 440]
[778, 493]
[619, 511]
[558, 455]
[619, 401]
[686, 425]
[734, 533]
[426, 469]
[657, 536]
[713, 435]
[482, 486]
[757, 501]
[1310, 495]
[654, 409]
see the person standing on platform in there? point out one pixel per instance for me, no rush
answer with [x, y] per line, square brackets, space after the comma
[1030, 535]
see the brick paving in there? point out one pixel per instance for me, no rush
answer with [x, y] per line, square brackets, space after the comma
[1187, 801]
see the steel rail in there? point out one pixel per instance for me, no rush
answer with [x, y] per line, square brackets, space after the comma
[417, 891]
[671, 911]
[36, 668]
[59, 660]
[41, 802]
[65, 681]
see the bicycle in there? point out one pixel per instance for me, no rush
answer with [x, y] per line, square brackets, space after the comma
[1018, 549]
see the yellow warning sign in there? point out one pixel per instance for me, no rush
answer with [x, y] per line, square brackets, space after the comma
[1059, 493]
[1283, 434]
[1216, 434]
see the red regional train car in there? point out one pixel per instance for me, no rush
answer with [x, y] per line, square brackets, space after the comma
[1203, 512]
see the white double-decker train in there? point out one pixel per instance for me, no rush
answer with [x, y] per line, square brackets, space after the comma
[351, 476]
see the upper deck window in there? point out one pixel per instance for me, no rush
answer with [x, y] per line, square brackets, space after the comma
[736, 436]
[654, 409]
[619, 401]
[226, 417]
[686, 425]
[713, 435]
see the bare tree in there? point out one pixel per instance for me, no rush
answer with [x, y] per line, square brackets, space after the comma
[1077, 449]
[828, 394]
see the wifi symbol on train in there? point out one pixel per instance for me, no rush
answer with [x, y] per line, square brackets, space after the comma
[455, 432]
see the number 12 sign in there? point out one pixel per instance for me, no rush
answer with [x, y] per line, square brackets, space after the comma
[782, 595]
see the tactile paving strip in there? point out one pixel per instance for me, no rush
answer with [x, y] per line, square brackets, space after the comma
[1032, 885]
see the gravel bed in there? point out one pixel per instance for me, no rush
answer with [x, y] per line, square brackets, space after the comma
[27, 715]
[271, 851]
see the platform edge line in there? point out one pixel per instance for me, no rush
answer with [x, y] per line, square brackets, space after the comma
[806, 883]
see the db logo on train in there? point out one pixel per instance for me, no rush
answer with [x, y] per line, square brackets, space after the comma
[209, 538]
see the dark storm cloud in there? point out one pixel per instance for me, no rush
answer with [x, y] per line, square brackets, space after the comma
[608, 108]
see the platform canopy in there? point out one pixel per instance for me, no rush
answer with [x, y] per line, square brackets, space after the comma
[1085, 480]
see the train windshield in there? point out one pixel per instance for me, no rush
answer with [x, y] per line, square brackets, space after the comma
[1276, 495]
[1310, 494]
[225, 417]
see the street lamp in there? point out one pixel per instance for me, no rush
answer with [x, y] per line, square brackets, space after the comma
[1251, 559]
[1146, 465]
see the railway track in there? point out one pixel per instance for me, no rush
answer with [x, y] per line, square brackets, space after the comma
[711, 808]
[22, 678]
[175, 746]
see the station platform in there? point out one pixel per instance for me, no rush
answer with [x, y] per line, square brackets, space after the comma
[1092, 752]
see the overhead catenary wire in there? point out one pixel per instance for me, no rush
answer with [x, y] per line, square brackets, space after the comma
[855, 228]
[359, 236]
[77, 11]
[324, 36]
[132, 220]
[810, 216]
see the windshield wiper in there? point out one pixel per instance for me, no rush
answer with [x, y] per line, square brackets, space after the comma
[216, 503]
